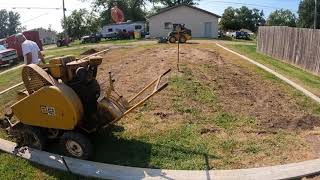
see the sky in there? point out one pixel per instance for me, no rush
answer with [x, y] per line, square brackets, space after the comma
[34, 18]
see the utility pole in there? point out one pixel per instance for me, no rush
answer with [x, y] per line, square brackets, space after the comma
[315, 13]
[64, 19]
[64, 11]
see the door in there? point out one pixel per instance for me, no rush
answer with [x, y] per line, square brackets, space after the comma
[208, 29]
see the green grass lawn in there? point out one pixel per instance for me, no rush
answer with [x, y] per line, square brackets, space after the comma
[16, 168]
[103, 41]
[204, 136]
[305, 79]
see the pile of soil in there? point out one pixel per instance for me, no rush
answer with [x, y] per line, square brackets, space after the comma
[89, 52]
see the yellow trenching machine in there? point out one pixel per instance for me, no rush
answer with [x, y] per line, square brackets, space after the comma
[63, 101]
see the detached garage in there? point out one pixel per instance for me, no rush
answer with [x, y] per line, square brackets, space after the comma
[202, 23]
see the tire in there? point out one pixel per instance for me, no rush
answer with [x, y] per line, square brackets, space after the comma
[76, 145]
[16, 61]
[172, 39]
[30, 136]
[183, 39]
[13, 62]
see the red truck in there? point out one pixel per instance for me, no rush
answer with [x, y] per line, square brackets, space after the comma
[30, 35]
[7, 56]
[11, 51]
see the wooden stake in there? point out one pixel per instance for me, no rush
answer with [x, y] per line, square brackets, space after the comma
[178, 63]
[178, 53]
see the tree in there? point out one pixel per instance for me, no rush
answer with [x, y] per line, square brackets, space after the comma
[242, 18]
[21, 29]
[229, 20]
[93, 22]
[13, 22]
[10, 23]
[282, 17]
[306, 14]
[80, 23]
[132, 9]
[154, 10]
[171, 3]
[258, 19]
[4, 23]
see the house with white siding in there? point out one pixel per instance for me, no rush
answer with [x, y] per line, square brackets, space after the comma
[47, 36]
[202, 23]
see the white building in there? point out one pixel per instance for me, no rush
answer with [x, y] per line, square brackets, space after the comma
[202, 23]
[47, 36]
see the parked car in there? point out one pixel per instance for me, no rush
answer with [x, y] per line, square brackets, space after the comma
[62, 42]
[111, 35]
[7, 56]
[93, 38]
[240, 35]
[220, 34]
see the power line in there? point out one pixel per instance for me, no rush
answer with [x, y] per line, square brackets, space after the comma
[30, 8]
[239, 3]
[36, 17]
[245, 4]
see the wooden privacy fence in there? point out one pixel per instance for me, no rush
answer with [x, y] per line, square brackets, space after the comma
[297, 46]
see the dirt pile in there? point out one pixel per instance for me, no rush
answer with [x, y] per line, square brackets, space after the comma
[89, 52]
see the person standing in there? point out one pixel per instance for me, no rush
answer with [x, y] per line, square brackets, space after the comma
[30, 50]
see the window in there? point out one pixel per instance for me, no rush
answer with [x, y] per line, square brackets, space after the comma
[137, 27]
[168, 25]
[110, 30]
[2, 47]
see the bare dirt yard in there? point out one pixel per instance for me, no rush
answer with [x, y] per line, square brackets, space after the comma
[240, 91]
[220, 112]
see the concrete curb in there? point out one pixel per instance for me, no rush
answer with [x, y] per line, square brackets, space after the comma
[109, 171]
[288, 81]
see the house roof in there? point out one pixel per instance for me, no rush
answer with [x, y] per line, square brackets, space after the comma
[177, 6]
[129, 22]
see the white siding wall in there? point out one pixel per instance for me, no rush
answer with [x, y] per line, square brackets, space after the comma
[192, 18]
[47, 37]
